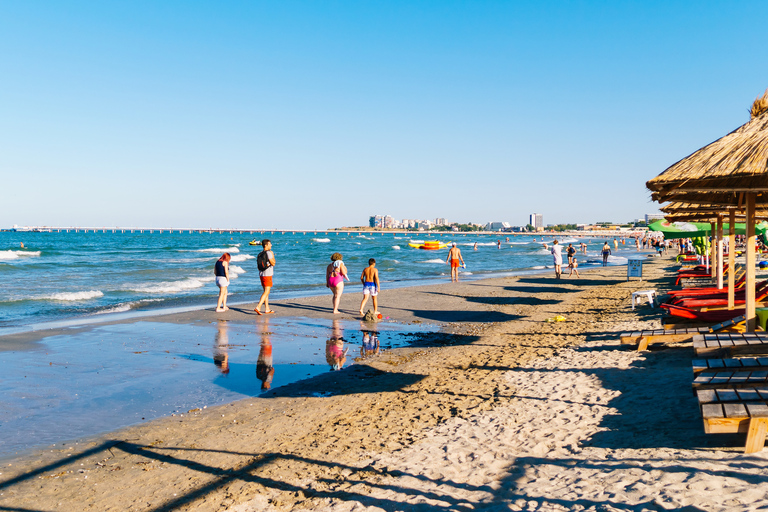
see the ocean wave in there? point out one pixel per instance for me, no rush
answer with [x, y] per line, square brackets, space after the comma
[396, 247]
[230, 250]
[235, 271]
[321, 240]
[242, 257]
[119, 308]
[12, 255]
[436, 260]
[519, 243]
[190, 283]
[539, 267]
[617, 260]
[74, 296]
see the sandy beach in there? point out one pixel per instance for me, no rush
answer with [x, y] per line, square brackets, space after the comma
[501, 410]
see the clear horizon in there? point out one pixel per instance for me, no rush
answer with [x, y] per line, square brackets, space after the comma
[302, 113]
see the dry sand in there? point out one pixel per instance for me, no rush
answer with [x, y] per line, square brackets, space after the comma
[503, 411]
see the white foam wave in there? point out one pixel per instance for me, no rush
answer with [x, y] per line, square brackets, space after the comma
[74, 296]
[396, 247]
[436, 260]
[230, 250]
[617, 260]
[568, 241]
[465, 273]
[12, 255]
[395, 261]
[242, 257]
[519, 243]
[172, 286]
[120, 308]
[235, 271]
[321, 240]
[539, 267]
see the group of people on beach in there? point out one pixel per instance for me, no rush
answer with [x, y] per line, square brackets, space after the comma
[335, 274]
[557, 255]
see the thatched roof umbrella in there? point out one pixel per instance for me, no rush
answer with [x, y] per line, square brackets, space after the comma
[732, 171]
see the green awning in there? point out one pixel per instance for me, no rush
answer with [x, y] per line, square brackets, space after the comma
[694, 229]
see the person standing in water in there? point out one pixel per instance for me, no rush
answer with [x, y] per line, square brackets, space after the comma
[335, 274]
[371, 286]
[455, 260]
[606, 253]
[266, 263]
[558, 258]
[570, 252]
[221, 271]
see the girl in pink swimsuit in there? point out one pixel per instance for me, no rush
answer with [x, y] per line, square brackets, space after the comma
[335, 274]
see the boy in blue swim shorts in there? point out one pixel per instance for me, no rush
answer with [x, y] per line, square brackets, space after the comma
[370, 280]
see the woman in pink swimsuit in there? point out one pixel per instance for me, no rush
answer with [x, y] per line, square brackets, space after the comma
[335, 274]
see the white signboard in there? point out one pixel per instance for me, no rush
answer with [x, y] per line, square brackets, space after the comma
[635, 269]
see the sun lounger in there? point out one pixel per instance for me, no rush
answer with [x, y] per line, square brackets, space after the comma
[644, 338]
[731, 379]
[736, 411]
[730, 344]
[707, 316]
[707, 290]
[747, 364]
[721, 299]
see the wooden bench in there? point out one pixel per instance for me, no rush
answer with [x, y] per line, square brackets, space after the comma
[730, 344]
[645, 338]
[736, 411]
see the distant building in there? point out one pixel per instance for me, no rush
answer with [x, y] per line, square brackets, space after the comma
[498, 226]
[537, 221]
[425, 225]
[440, 222]
[650, 217]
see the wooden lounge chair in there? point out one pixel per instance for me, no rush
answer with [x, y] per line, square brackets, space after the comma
[644, 338]
[703, 315]
[730, 344]
[736, 411]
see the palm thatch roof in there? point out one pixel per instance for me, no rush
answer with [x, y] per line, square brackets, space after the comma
[694, 212]
[722, 171]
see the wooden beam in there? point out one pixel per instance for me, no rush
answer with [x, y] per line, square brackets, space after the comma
[751, 261]
[720, 252]
[712, 250]
[731, 258]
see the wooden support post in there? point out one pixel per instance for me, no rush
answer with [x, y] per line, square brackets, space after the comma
[756, 435]
[712, 250]
[731, 258]
[751, 261]
[719, 251]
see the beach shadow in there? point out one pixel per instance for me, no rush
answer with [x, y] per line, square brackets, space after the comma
[656, 407]
[541, 289]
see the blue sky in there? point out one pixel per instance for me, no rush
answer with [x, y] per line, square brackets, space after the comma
[319, 114]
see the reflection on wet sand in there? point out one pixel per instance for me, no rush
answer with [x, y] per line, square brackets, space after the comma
[335, 353]
[265, 369]
[370, 346]
[221, 347]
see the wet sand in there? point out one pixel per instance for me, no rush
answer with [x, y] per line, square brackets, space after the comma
[502, 410]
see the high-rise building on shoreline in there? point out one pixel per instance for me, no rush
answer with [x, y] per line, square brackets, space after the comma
[537, 221]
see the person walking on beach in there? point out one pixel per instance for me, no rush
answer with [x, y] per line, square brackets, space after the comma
[266, 263]
[570, 252]
[221, 271]
[455, 260]
[335, 274]
[558, 257]
[606, 253]
[371, 286]
[573, 265]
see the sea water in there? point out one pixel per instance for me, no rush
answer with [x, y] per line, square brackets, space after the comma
[80, 277]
